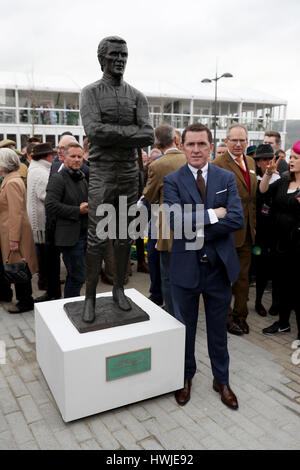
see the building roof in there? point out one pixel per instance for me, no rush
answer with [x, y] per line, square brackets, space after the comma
[153, 88]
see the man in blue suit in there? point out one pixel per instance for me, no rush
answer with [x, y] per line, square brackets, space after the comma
[210, 269]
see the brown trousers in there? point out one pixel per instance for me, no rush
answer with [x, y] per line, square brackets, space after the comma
[240, 289]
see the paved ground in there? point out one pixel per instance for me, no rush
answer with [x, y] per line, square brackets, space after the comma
[262, 375]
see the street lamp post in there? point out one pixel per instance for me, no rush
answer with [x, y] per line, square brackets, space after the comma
[210, 80]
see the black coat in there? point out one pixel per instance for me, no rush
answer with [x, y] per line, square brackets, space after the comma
[285, 214]
[64, 196]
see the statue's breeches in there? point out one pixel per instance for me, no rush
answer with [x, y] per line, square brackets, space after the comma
[107, 182]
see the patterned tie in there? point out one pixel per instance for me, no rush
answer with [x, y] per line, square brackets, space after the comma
[201, 185]
[240, 161]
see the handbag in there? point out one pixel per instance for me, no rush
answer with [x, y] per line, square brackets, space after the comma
[16, 273]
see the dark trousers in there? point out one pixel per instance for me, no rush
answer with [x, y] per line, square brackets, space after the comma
[24, 295]
[240, 289]
[263, 273]
[286, 266]
[52, 260]
[42, 260]
[6, 292]
[140, 251]
[216, 290]
[74, 259]
[154, 268]
[165, 259]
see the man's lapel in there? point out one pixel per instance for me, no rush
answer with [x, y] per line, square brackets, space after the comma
[210, 186]
[189, 182]
[252, 174]
[234, 168]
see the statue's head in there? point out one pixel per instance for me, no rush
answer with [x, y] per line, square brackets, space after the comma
[112, 55]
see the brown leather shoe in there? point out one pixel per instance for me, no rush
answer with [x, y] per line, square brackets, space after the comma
[227, 395]
[183, 395]
[234, 329]
[243, 325]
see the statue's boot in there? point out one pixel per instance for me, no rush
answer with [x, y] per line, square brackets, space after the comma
[121, 253]
[93, 267]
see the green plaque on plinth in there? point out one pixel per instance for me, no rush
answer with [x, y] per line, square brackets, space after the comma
[128, 363]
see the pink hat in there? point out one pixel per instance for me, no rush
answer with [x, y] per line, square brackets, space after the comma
[296, 147]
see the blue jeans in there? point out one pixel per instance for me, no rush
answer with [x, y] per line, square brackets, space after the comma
[74, 259]
[165, 258]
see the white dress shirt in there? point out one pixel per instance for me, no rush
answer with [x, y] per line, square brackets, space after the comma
[211, 213]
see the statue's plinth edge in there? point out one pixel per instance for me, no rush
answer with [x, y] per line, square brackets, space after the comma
[108, 315]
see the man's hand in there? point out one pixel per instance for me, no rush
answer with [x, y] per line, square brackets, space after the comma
[83, 208]
[220, 212]
[13, 246]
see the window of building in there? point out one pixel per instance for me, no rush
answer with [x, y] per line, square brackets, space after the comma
[7, 97]
[185, 107]
[176, 107]
[224, 108]
[233, 109]
[12, 137]
[24, 138]
[51, 139]
[7, 116]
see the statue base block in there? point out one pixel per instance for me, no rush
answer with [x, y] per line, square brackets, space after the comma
[108, 315]
[101, 370]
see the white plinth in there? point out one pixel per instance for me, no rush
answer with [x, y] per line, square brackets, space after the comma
[74, 364]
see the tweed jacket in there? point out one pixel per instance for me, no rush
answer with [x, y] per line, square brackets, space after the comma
[14, 222]
[248, 198]
[154, 190]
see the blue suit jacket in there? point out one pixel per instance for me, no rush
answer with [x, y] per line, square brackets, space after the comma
[221, 191]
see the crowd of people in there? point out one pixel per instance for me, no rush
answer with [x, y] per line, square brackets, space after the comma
[251, 227]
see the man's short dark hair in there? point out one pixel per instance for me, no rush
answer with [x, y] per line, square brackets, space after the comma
[274, 134]
[164, 136]
[103, 45]
[197, 127]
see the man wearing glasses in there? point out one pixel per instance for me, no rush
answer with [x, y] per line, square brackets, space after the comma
[243, 167]
[58, 161]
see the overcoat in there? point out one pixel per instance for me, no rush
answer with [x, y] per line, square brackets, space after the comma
[14, 222]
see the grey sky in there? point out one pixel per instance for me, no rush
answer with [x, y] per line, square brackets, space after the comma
[170, 40]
